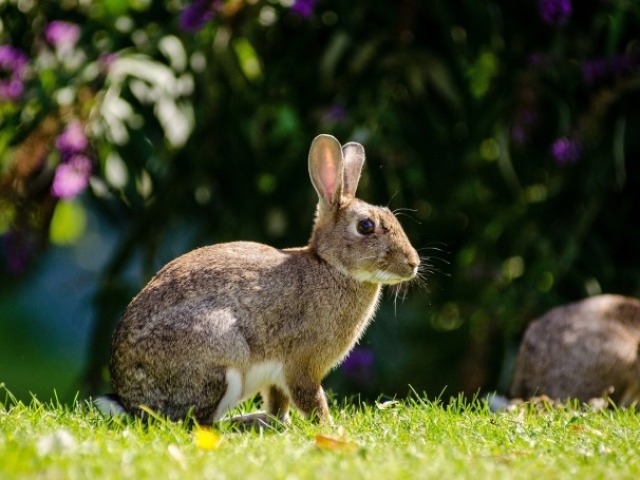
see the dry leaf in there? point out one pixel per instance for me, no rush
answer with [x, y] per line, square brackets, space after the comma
[585, 428]
[324, 442]
[206, 439]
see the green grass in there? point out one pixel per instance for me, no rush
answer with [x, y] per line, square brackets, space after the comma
[410, 439]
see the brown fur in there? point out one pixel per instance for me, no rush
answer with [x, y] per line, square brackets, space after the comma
[584, 350]
[237, 304]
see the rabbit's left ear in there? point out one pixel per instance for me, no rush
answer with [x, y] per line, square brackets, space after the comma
[326, 170]
[353, 155]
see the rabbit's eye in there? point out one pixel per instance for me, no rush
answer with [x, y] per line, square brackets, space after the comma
[366, 226]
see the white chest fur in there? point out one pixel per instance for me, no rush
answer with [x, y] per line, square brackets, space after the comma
[241, 385]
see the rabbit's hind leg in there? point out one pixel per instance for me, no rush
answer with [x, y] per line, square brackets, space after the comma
[202, 398]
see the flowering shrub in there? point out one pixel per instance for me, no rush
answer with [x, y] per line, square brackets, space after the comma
[13, 65]
[63, 115]
[507, 129]
[359, 365]
[555, 12]
[197, 14]
[565, 150]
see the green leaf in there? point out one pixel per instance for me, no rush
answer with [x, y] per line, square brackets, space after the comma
[482, 72]
[116, 7]
[68, 223]
[248, 59]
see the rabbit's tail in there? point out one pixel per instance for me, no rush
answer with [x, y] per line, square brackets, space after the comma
[497, 403]
[110, 405]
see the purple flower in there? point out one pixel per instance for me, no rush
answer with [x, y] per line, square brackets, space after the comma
[72, 140]
[555, 12]
[566, 150]
[336, 113]
[601, 68]
[18, 250]
[13, 65]
[304, 7]
[519, 134]
[358, 365]
[71, 177]
[594, 70]
[62, 34]
[11, 89]
[196, 15]
[540, 60]
[525, 120]
[106, 61]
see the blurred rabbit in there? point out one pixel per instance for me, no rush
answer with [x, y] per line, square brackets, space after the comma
[224, 322]
[583, 350]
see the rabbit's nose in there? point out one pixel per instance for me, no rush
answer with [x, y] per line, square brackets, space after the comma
[413, 260]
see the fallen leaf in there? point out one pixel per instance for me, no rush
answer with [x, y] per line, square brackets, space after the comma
[59, 441]
[388, 404]
[584, 428]
[177, 455]
[206, 438]
[324, 442]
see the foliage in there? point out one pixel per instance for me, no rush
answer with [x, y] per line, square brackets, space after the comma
[506, 128]
[381, 440]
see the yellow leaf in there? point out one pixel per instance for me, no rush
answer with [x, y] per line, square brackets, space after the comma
[324, 442]
[206, 438]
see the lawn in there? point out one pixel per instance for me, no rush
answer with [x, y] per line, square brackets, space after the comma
[414, 438]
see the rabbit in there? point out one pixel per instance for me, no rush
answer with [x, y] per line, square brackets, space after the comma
[224, 322]
[585, 351]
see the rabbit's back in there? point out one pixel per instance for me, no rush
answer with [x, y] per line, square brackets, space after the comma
[211, 274]
[240, 283]
[583, 350]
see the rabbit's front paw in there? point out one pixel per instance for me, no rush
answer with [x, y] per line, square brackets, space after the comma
[311, 401]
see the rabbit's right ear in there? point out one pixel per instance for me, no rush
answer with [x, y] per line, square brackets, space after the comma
[353, 155]
[326, 170]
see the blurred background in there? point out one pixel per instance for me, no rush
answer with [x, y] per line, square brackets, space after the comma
[133, 131]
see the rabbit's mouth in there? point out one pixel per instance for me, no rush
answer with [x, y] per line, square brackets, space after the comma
[384, 277]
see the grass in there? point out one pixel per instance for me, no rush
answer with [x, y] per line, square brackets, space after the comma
[410, 439]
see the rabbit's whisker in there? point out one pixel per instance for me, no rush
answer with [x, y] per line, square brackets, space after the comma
[411, 217]
[392, 197]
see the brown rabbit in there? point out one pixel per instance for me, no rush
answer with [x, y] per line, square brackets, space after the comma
[224, 322]
[583, 350]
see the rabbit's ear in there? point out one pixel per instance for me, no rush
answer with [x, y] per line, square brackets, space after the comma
[353, 154]
[326, 169]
